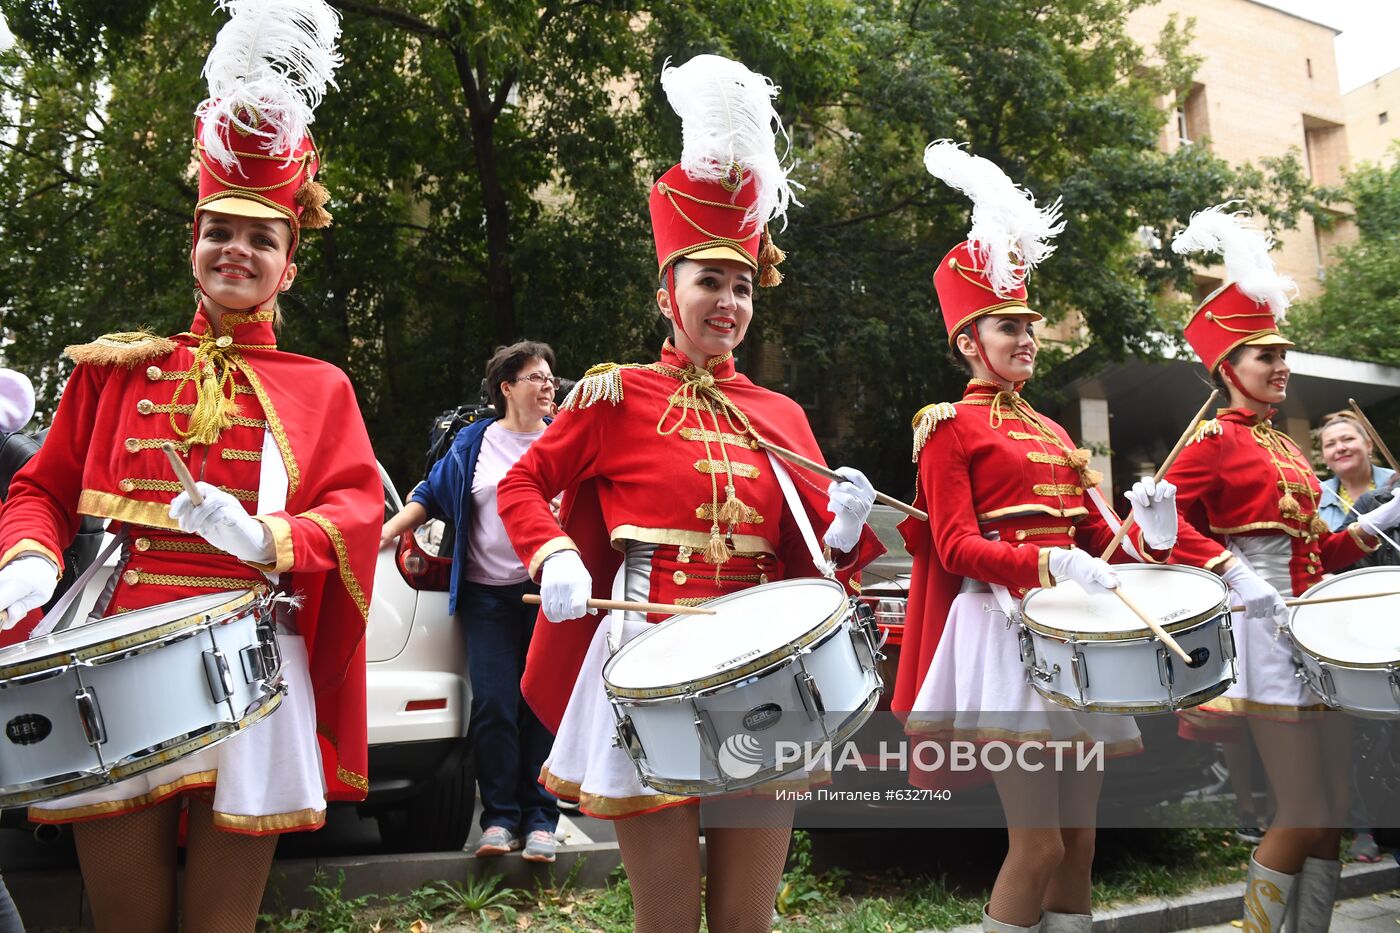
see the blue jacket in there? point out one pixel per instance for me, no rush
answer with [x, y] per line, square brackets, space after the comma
[1330, 507]
[447, 495]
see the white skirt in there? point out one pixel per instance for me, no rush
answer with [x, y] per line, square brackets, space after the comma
[976, 689]
[585, 764]
[265, 779]
[1266, 682]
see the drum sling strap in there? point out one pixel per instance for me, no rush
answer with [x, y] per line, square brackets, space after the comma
[55, 615]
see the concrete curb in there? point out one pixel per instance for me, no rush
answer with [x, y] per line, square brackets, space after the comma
[54, 900]
[1220, 904]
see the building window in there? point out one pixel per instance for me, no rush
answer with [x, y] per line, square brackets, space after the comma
[1384, 117]
[1192, 124]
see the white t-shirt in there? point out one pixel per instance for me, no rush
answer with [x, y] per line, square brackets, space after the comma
[490, 558]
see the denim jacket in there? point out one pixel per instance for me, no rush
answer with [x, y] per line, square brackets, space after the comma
[1330, 507]
[447, 495]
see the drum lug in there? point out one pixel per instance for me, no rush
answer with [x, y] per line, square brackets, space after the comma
[1080, 668]
[811, 695]
[217, 672]
[1166, 672]
[709, 738]
[1395, 684]
[254, 663]
[1325, 685]
[90, 714]
[1027, 647]
[627, 739]
[1227, 639]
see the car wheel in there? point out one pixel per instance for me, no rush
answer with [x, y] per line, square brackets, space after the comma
[436, 820]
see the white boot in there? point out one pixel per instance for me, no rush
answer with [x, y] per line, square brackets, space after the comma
[1052, 922]
[1310, 907]
[990, 925]
[1265, 898]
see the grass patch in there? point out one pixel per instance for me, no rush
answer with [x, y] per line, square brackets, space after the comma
[1131, 865]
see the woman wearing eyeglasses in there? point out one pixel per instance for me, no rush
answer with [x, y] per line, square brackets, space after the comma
[487, 583]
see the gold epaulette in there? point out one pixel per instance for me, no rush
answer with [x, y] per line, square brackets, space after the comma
[925, 422]
[1206, 429]
[602, 383]
[126, 350]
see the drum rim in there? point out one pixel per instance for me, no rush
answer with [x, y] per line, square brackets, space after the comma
[728, 675]
[1138, 634]
[62, 658]
[35, 792]
[1301, 646]
[1185, 702]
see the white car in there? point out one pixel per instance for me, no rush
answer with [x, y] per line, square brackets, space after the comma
[422, 778]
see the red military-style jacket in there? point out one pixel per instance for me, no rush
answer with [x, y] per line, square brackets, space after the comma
[644, 453]
[1239, 476]
[102, 457]
[1000, 494]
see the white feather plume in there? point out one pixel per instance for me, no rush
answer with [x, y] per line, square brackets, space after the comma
[727, 119]
[1010, 236]
[1245, 249]
[272, 59]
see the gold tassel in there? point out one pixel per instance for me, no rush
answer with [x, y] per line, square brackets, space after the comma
[1090, 477]
[734, 510]
[769, 256]
[312, 196]
[213, 411]
[1317, 526]
[1288, 506]
[717, 551]
[1208, 428]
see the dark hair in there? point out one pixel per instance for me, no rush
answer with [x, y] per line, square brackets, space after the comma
[505, 365]
[955, 355]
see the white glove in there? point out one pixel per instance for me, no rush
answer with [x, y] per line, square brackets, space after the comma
[850, 503]
[222, 521]
[1382, 518]
[1154, 509]
[1260, 600]
[565, 586]
[26, 583]
[1094, 575]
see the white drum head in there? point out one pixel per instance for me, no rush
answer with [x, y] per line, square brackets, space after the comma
[59, 644]
[1172, 595]
[747, 625]
[1365, 631]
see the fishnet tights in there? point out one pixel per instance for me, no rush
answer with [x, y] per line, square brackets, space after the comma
[129, 866]
[661, 854]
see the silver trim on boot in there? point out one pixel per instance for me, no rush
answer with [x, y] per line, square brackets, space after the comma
[1053, 922]
[992, 925]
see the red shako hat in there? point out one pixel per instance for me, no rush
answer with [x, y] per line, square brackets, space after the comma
[267, 73]
[730, 184]
[1010, 236]
[1247, 310]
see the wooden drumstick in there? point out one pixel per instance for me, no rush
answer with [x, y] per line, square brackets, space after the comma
[1162, 471]
[182, 473]
[1327, 599]
[1375, 435]
[530, 599]
[827, 472]
[1157, 630]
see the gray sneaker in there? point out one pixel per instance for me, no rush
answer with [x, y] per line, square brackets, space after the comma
[496, 840]
[540, 846]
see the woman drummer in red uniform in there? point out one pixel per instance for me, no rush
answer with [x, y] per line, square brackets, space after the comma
[1249, 501]
[291, 500]
[668, 497]
[1012, 506]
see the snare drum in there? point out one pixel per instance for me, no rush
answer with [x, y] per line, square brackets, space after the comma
[712, 704]
[1349, 653]
[104, 701]
[1092, 653]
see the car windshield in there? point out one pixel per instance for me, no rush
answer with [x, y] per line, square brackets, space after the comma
[884, 521]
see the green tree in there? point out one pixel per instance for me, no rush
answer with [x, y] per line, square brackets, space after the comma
[488, 166]
[1359, 307]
